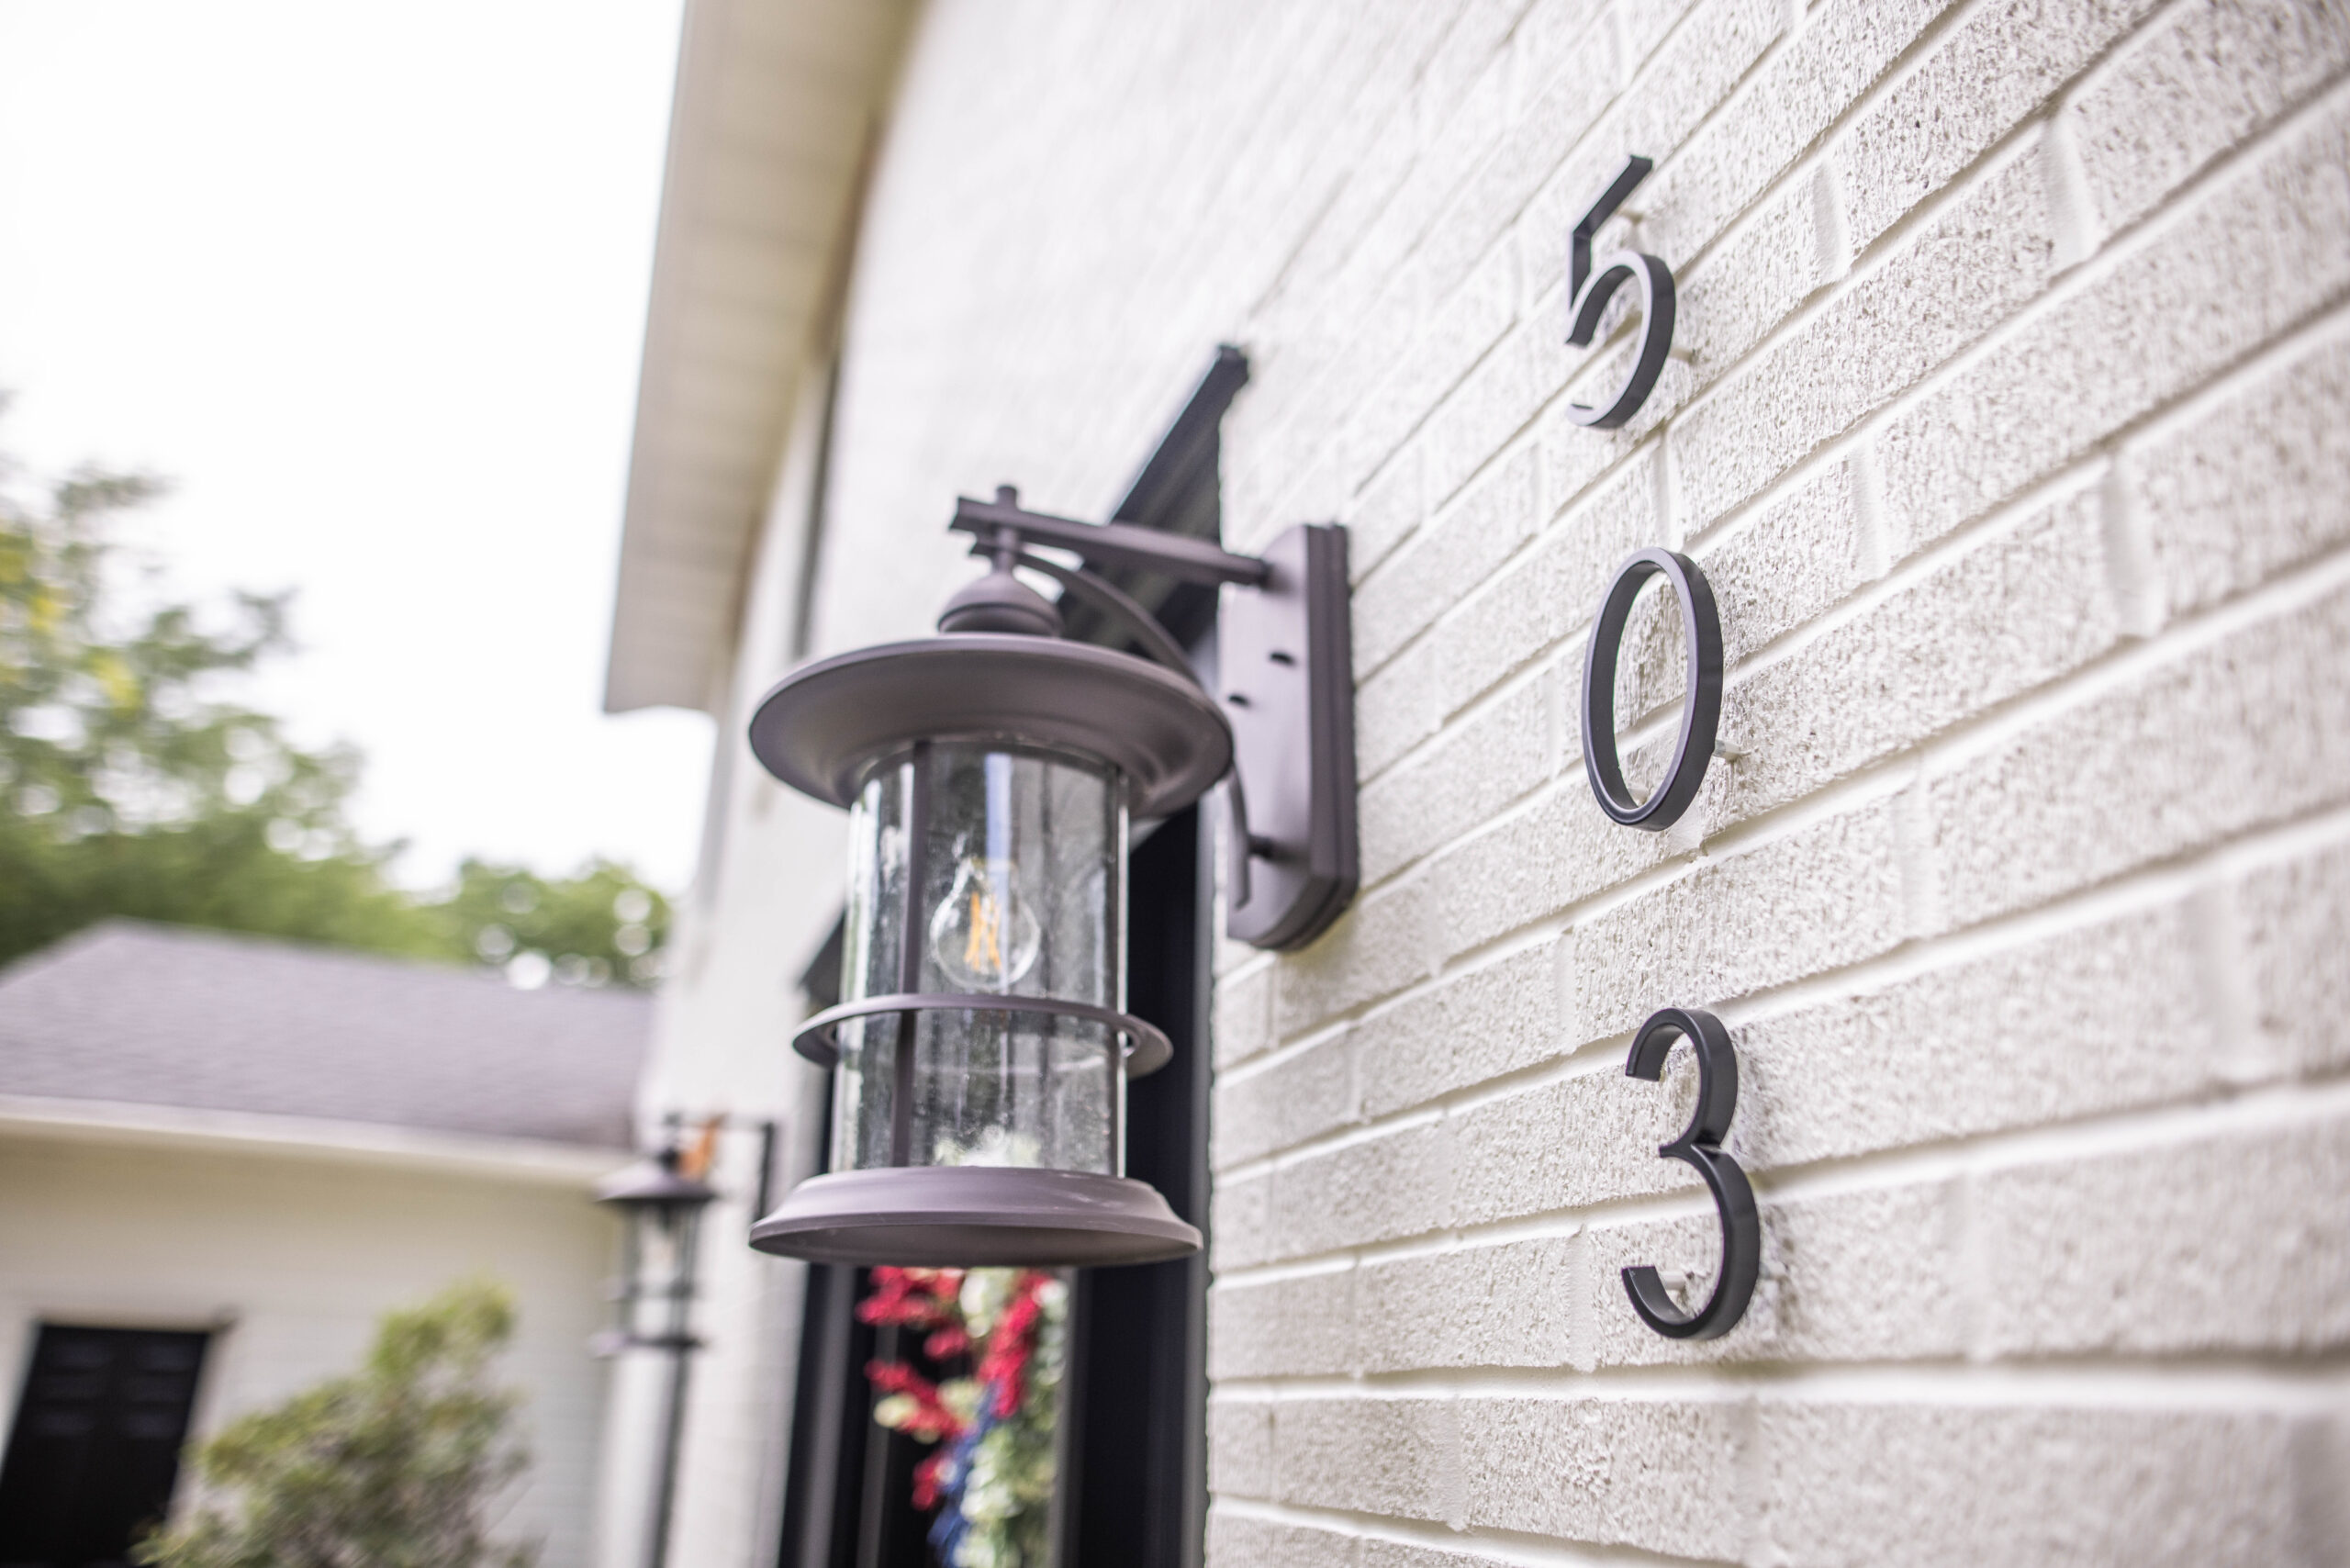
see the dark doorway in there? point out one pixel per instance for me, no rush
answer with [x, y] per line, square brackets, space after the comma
[96, 1448]
[1132, 1490]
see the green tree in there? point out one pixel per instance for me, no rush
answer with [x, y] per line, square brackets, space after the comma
[600, 924]
[398, 1465]
[130, 785]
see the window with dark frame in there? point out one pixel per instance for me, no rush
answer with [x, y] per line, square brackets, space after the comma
[1132, 1492]
[94, 1453]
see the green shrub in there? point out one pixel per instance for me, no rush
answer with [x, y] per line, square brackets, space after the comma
[398, 1465]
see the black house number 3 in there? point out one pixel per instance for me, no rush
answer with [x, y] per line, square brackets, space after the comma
[1700, 1146]
[1592, 287]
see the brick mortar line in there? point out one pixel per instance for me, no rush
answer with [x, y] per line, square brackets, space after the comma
[1506, 236]
[1320, 1034]
[1281, 1054]
[1808, 160]
[2080, 475]
[1913, 62]
[2113, 60]
[1920, 565]
[1257, 309]
[1834, 1175]
[1802, 164]
[1549, 518]
[1503, 1549]
[1510, 688]
[2148, 887]
[2132, 659]
[1991, 162]
[2315, 1386]
[1341, 113]
[2217, 171]
[1506, 232]
[2131, 435]
[1390, 564]
[1805, 163]
[2149, 233]
[2111, 253]
[1839, 798]
[1256, 961]
[1337, 439]
[2170, 881]
[1974, 735]
[2084, 472]
[2326, 324]
[1429, 137]
[2286, 1103]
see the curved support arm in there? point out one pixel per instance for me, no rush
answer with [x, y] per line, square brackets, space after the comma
[1119, 605]
[1107, 543]
[1286, 668]
[1241, 846]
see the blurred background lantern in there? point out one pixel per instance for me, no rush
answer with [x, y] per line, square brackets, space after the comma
[661, 1199]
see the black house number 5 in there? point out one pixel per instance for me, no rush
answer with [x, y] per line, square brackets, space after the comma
[1591, 287]
[1700, 1146]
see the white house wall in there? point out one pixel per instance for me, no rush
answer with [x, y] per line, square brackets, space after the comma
[292, 1263]
[765, 898]
[2009, 425]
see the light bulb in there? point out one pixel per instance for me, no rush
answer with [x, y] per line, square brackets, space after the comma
[982, 933]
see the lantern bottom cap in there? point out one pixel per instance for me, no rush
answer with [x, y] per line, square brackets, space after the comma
[971, 1217]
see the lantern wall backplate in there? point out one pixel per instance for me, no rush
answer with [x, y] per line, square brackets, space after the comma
[1285, 652]
[1286, 657]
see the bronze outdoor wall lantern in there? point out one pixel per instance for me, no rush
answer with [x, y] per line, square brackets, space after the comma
[660, 1202]
[990, 772]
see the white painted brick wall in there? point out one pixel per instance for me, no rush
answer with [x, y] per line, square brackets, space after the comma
[2012, 425]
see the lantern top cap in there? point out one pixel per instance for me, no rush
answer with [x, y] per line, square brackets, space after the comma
[826, 723]
[654, 1182]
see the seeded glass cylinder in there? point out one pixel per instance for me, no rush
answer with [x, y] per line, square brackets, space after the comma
[984, 870]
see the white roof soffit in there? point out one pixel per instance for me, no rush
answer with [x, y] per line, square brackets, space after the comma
[766, 140]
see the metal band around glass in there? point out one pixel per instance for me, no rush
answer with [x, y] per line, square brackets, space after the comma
[1701, 707]
[1148, 1048]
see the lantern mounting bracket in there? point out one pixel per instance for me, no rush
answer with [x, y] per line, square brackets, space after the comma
[1285, 653]
[1003, 523]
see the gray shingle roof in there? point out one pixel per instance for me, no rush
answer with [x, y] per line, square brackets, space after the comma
[163, 1015]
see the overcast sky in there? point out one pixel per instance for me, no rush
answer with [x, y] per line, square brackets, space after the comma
[367, 282]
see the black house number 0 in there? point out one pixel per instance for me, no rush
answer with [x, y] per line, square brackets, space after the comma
[1701, 706]
[1700, 1146]
[1592, 287]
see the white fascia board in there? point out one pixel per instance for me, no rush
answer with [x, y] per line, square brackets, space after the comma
[774, 110]
[522, 1161]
